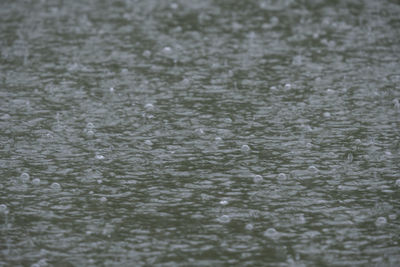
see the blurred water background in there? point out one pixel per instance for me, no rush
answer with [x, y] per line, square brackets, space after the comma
[199, 133]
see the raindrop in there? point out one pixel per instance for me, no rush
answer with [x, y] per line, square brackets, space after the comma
[224, 219]
[55, 186]
[313, 169]
[90, 133]
[223, 202]
[257, 178]
[24, 177]
[381, 221]
[249, 227]
[149, 106]
[36, 181]
[148, 142]
[245, 148]
[271, 233]
[99, 157]
[167, 50]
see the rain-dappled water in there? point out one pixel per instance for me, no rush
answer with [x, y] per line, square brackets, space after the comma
[200, 133]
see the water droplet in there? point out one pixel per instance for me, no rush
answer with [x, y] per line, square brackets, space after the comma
[312, 169]
[282, 176]
[99, 157]
[223, 202]
[249, 227]
[257, 178]
[149, 106]
[271, 233]
[111, 89]
[55, 186]
[89, 133]
[224, 219]
[245, 148]
[218, 139]
[148, 143]
[24, 177]
[288, 86]
[167, 50]
[380, 221]
[36, 181]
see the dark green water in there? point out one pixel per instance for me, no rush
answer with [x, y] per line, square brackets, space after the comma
[199, 133]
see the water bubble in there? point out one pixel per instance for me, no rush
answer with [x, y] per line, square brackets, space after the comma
[55, 186]
[167, 50]
[273, 88]
[89, 133]
[149, 106]
[245, 148]
[309, 145]
[257, 178]
[397, 183]
[173, 5]
[146, 53]
[36, 181]
[312, 169]
[103, 199]
[288, 86]
[90, 125]
[224, 219]
[393, 216]
[24, 177]
[111, 89]
[249, 227]
[223, 202]
[99, 157]
[357, 142]
[380, 221]
[271, 233]
[148, 143]
[282, 176]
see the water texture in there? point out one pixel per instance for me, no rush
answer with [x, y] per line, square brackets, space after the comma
[199, 133]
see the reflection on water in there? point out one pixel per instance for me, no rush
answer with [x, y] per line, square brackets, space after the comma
[199, 133]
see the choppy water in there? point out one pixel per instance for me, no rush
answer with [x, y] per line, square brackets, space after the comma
[199, 133]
